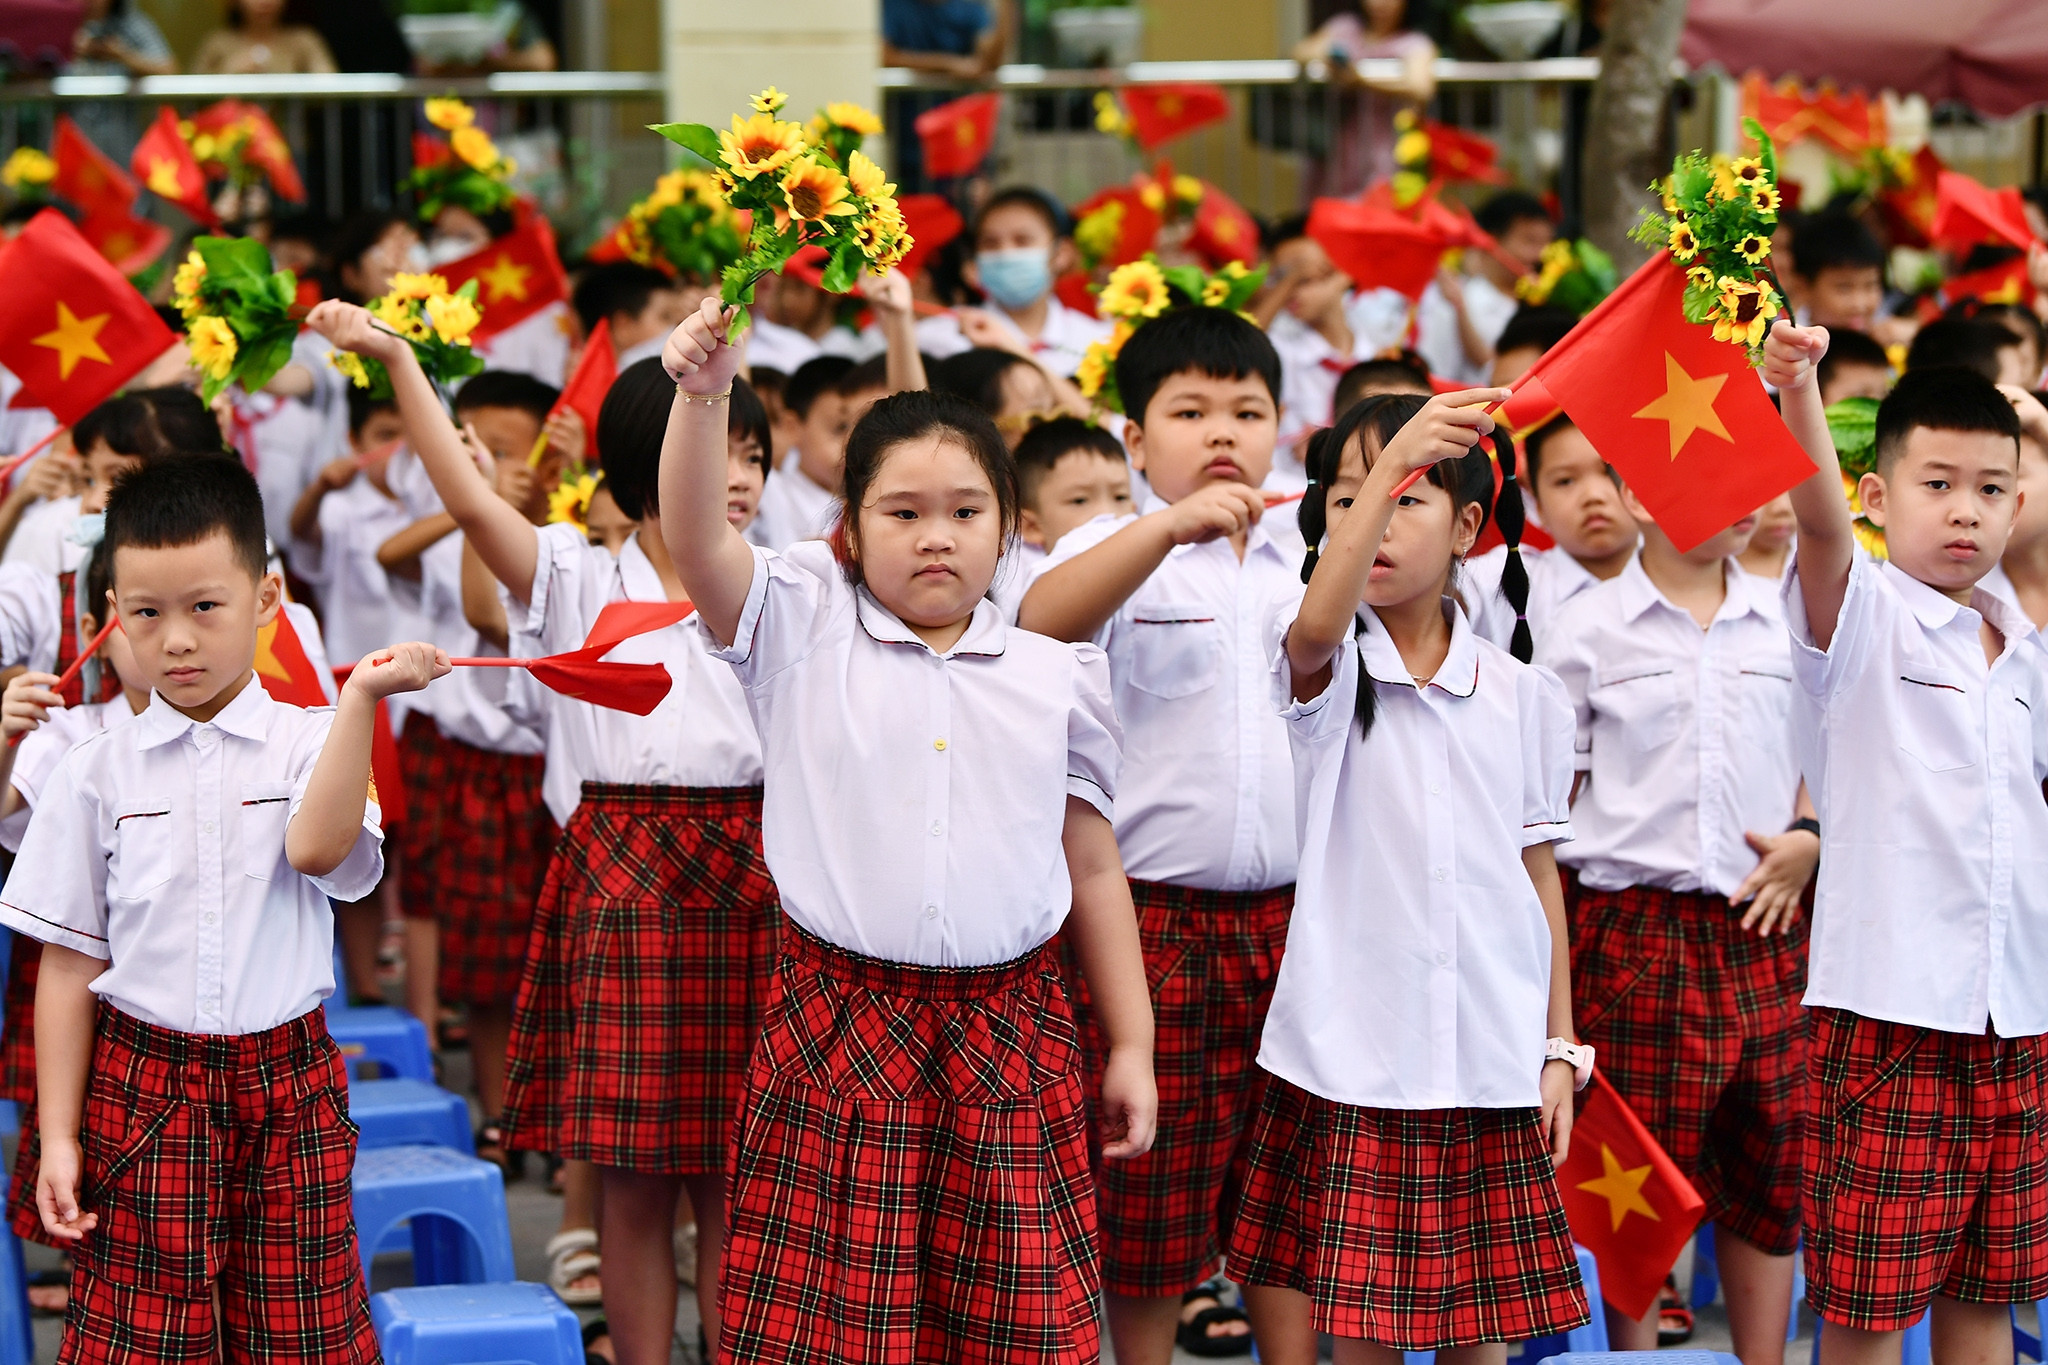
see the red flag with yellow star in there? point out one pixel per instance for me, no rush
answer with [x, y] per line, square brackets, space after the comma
[1627, 1201]
[163, 162]
[1161, 113]
[87, 176]
[1223, 231]
[1682, 416]
[289, 675]
[71, 327]
[516, 276]
[958, 134]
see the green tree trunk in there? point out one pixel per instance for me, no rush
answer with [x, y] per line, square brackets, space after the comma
[1625, 148]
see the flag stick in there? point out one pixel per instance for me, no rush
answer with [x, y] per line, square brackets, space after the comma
[14, 462]
[70, 674]
[489, 663]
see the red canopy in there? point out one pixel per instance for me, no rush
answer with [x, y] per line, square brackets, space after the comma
[1990, 54]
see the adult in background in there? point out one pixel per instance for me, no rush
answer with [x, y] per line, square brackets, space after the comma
[1362, 142]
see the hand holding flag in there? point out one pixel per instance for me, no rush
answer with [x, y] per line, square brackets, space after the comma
[1627, 1201]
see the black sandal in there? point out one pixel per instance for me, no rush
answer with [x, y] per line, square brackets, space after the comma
[594, 1331]
[1194, 1336]
[490, 1146]
[51, 1279]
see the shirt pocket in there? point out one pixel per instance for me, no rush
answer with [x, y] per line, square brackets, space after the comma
[1937, 718]
[265, 808]
[1641, 697]
[1764, 687]
[1176, 649]
[145, 848]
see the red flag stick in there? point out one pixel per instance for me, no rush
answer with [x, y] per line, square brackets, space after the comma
[14, 462]
[70, 674]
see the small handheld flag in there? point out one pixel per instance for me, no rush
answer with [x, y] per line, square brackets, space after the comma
[1627, 1201]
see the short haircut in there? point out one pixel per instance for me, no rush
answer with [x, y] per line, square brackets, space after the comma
[507, 389]
[1500, 213]
[99, 577]
[1403, 372]
[1850, 347]
[912, 416]
[362, 407]
[1964, 342]
[1942, 398]
[358, 233]
[1192, 340]
[634, 420]
[769, 382]
[1026, 197]
[746, 417]
[1047, 443]
[1532, 450]
[615, 287]
[1833, 239]
[872, 373]
[818, 375]
[183, 499]
[2016, 318]
[148, 424]
[1541, 326]
[977, 375]
[1284, 230]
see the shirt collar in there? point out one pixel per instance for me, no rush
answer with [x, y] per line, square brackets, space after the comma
[1639, 594]
[1259, 539]
[1458, 674]
[1936, 610]
[984, 635]
[246, 717]
[636, 572]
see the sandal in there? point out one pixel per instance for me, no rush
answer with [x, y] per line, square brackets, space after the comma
[1674, 1317]
[56, 1299]
[1196, 1335]
[594, 1331]
[572, 1256]
[490, 1146]
[686, 1255]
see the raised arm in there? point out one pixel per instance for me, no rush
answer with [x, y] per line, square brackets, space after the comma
[890, 295]
[715, 563]
[1827, 543]
[324, 830]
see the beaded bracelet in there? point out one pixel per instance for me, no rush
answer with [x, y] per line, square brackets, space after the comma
[707, 399]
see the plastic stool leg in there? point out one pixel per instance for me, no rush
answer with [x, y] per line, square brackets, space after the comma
[1706, 1269]
[17, 1336]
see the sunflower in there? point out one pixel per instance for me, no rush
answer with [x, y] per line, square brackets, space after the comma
[1114, 347]
[213, 345]
[454, 317]
[1136, 290]
[1152, 196]
[449, 114]
[185, 284]
[866, 178]
[1754, 247]
[1187, 189]
[769, 101]
[1700, 276]
[1724, 179]
[400, 316]
[350, 366]
[760, 145]
[1409, 187]
[1747, 171]
[1684, 245]
[570, 500]
[853, 118]
[1109, 115]
[1764, 199]
[1412, 147]
[1670, 199]
[1215, 292]
[1744, 312]
[405, 286]
[1867, 532]
[816, 192]
[27, 166]
[1093, 371]
[474, 146]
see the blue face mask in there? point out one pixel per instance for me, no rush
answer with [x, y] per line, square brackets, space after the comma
[1016, 278]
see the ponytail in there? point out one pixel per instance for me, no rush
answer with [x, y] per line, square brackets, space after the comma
[1508, 515]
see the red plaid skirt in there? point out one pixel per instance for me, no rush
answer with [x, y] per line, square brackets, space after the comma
[427, 758]
[492, 838]
[1416, 1229]
[216, 1162]
[1926, 1170]
[18, 1022]
[1211, 958]
[1698, 1025]
[910, 1182]
[651, 962]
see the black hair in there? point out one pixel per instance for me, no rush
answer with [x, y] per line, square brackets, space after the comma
[1832, 238]
[148, 424]
[302, 227]
[977, 375]
[615, 287]
[1850, 347]
[872, 373]
[507, 389]
[768, 382]
[1501, 212]
[633, 421]
[1047, 443]
[1942, 398]
[1211, 341]
[497, 222]
[1963, 342]
[2016, 318]
[746, 416]
[911, 416]
[297, 14]
[1469, 479]
[1028, 197]
[362, 407]
[356, 235]
[1396, 373]
[1541, 326]
[816, 376]
[1281, 230]
[183, 499]
[1532, 449]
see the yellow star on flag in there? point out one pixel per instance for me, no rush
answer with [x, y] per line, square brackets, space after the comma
[163, 178]
[506, 279]
[1170, 106]
[964, 134]
[1622, 1189]
[266, 660]
[74, 339]
[1687, 404]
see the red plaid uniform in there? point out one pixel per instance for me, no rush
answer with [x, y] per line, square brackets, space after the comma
[1211, 958]
[1416, 1229]
[217, 1161]
[1926, 1171]
[1698, 1025]
[427, 758]
[910, 1178]
[67, 646]
[651, 963]
[18, 1022]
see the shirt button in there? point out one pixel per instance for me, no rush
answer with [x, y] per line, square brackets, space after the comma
[931, 912]
[1436, 789]
[208, 827]
[936, 827]
[1443, 959]
[210, 917]
[1439, 874]
[939, 744]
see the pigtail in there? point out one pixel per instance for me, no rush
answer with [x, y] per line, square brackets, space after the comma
[1362, 708]
[1313, 516]
[1508, 515]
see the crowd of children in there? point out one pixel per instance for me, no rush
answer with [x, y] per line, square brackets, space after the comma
[1063, 869]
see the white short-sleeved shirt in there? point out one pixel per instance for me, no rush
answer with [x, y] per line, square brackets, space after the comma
[1208, 788]
[41, 538]
[700, 736]
[1013, 578]
[1309, 369]
[1059, 346]
[44, 748]
[537, 345]
[285, 441]
[1999, 584]
[31, 618]
[20, 428]
[158, 846]
[1685, 735]
[1417, 972]
[486, 708]
[1555, 578]
[1440, 341]
[355, 592]
[1926, 768]
[916, 801]
[793, 508]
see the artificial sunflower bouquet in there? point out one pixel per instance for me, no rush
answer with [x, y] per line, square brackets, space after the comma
[436, 321]
[1717, 218]
[804, 186]
[1411, 179]
[467, 171]
[240, 315]
[1573, 274]
[1852, 423]
[223, 152]
[28, 173]
[684, 227]
[570, 500]
[1142, 290]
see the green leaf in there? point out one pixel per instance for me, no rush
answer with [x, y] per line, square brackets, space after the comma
[696, 138]
[741, 320]
[844, 268]
[259, 361]
[1852, 423]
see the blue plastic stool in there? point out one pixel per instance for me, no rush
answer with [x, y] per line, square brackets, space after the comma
[456, 1204]
[391, 1038]
[401, 1112]
[1706, 1277]
[456, 1324]
[1645, 1358]
[17, 1337]
[1588, 1340]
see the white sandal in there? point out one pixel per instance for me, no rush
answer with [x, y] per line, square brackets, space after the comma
[686, 1255]
[572, 1255]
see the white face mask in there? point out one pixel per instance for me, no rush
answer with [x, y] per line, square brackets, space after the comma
[442, 250]
[416, 258]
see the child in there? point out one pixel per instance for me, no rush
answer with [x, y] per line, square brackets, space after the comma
[181, 867]
[1009, 386]
[1769, 551]
[1528, 334]
[649, 962]
[1691, 852]
[1023, 242]
[2022, 573]
[1069, 472]
[1402, 372]
[1205, 818]
[1918, 718]
[769, 386]
[1578, 500]
[1854, 367]
[1317, 335]
[1838, 272]
[1461, 315]
[340, 520]
[915, 1112]
[798, 320]
[639, 302]
[1985, 347]
[803, 502]
[1401, 1191]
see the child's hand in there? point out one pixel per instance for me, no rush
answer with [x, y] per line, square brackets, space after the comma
[57, 1185]
[400, 668]
[1447, 428]
[981, 328]
[1773, 887]
[515, 484]
[1213, 511]
[2033, 417]
[888, 293]
[1559, 1077]
[350, 328]
[566, 435]
[51, 477]
[26, 703]
[1451, 285]
[1130, 1105]
[697, 356]
[1791, 355]
[339, 474]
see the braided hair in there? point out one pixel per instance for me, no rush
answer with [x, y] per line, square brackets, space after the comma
[1468, 479]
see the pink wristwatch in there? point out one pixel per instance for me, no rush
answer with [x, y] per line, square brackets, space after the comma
[1580, 1055]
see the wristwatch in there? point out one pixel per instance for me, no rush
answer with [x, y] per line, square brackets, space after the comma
[1807, 823]
[1580, 1055]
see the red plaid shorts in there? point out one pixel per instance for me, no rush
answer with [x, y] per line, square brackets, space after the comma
[493, 839]
[18, 1022]
[1211, 958]
[909, 1181]
[1416, 1229]
[1926, 1171]
[427, 759]
[218, 1162]
[651, 963]
[1698, 1025]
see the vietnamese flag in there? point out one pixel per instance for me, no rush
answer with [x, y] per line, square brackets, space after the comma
[1223, 231]
[1161, 113]
[516, 276]
[288, 675]
[2006, 282]
[931, 221]
[1455, 154]
[1966, 213]
[1682, 416]
[163, 161]
[596, 371]
[88, 177]
[71, 327]
[958, 134]
[1380, 248]
[268, 151]
[1137, 228]
[1627, 1201]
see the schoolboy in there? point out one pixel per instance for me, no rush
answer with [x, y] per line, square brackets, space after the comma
[1318, 336]
[1023, 242]
[1180, 596]
[1854, 367]
[1837, 271]
[802, 501]
[1402, 372]
[1921, 720]
[1461, 314]
[1985, 347]
[1069, 472]
[639, 302]
[1687, 862]
[345, 513]
[1529, 333]
[181, 868]
[2022, 573]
